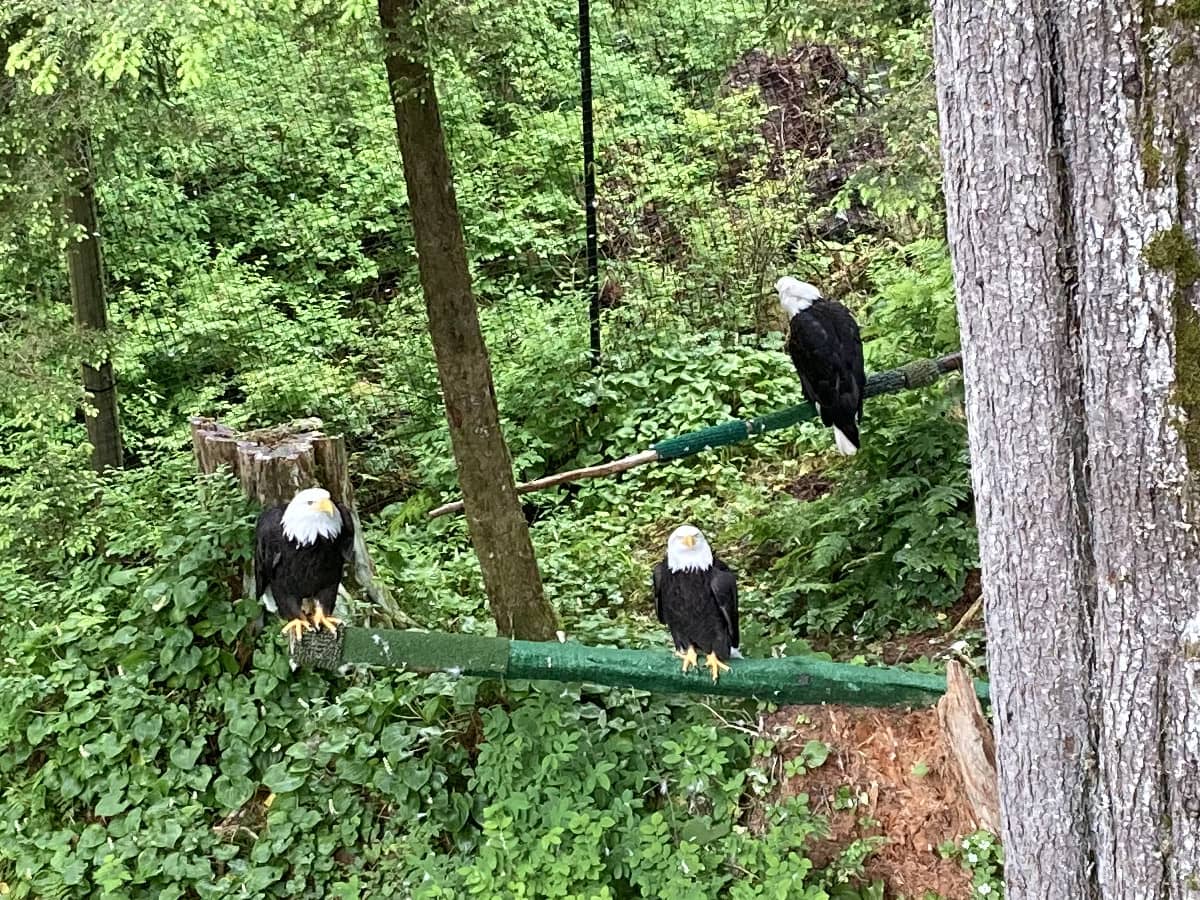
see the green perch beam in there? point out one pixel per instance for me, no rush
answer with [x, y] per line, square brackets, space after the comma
[789, 680]
[916, 374]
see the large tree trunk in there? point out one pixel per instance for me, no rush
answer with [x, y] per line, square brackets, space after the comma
[85, 269]
[1069, 137]
[497, 525]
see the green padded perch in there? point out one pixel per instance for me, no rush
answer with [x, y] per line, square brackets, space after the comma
[793, 679]
[915, 374]
[918, 373]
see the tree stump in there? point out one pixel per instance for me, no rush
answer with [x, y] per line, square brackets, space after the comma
[272, 464]
[971, 744]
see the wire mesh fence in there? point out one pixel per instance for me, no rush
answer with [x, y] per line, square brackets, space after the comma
[260, 260]
[706, 147]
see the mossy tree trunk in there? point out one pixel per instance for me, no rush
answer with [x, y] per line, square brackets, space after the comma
[497, 524]
[85, 268]
[1070, 131]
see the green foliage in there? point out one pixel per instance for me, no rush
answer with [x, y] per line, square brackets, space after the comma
[812, 756]
[892, 545]
[982, 855]
[611, 836]
[260, 268]
[151, 749]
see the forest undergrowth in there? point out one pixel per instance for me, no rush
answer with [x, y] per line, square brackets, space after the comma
[260, 269]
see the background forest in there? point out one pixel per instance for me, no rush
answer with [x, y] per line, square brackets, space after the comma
[260, 268]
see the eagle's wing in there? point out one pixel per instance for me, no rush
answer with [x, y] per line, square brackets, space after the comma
[852, 381]
[810, 337]
[268, 535]
[346, 535]
[659, 573]
[724, 587]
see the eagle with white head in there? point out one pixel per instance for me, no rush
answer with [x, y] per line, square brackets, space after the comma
[695, 596]
[300, 555]
[826, 349]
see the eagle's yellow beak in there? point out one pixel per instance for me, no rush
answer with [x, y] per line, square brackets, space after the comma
[325, 506]
[688, 540]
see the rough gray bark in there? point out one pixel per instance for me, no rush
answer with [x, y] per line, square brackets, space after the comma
[85, 268]
[498, 528]
[1068, 129]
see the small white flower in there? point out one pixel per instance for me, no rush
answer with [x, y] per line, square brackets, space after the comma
[985, 889]
[972, 858]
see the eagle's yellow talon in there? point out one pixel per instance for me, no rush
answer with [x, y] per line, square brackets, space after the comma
[689, 659]
[319, 618]
[295, 628]
[715, 666]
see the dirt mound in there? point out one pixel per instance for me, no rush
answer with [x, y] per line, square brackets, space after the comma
[890, 774]
[630, 226]
[802, 91]
[809, 486]
[799, 90]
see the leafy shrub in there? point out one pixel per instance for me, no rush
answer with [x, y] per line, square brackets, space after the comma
[892, 541]
[891, 545]
[982, 855]
[152, 746]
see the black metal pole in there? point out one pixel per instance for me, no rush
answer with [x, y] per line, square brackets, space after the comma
[589, 177]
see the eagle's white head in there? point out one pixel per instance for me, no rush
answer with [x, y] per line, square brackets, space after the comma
[311, 515]
[795, 295]
[688, 551]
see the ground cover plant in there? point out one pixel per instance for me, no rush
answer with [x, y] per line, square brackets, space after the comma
[260, 268]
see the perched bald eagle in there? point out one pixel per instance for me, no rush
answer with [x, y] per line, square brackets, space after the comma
[695, 596]
[826, 349]
[300, 553]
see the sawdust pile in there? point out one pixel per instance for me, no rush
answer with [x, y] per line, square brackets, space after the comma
[898, 764]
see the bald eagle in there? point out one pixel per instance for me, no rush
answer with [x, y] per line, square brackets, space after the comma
[300, 553]
[695, 596]
[826, 349]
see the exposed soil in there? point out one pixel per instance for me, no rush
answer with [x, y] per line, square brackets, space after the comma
[905, 785]
[906, 648]
[632, 228]
[800, 90]
[809, 486]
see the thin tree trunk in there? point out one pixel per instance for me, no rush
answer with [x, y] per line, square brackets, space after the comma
[498, 528]
[85, 269]
[1068, 129]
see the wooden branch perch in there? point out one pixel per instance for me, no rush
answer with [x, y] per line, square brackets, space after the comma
[598, 471]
